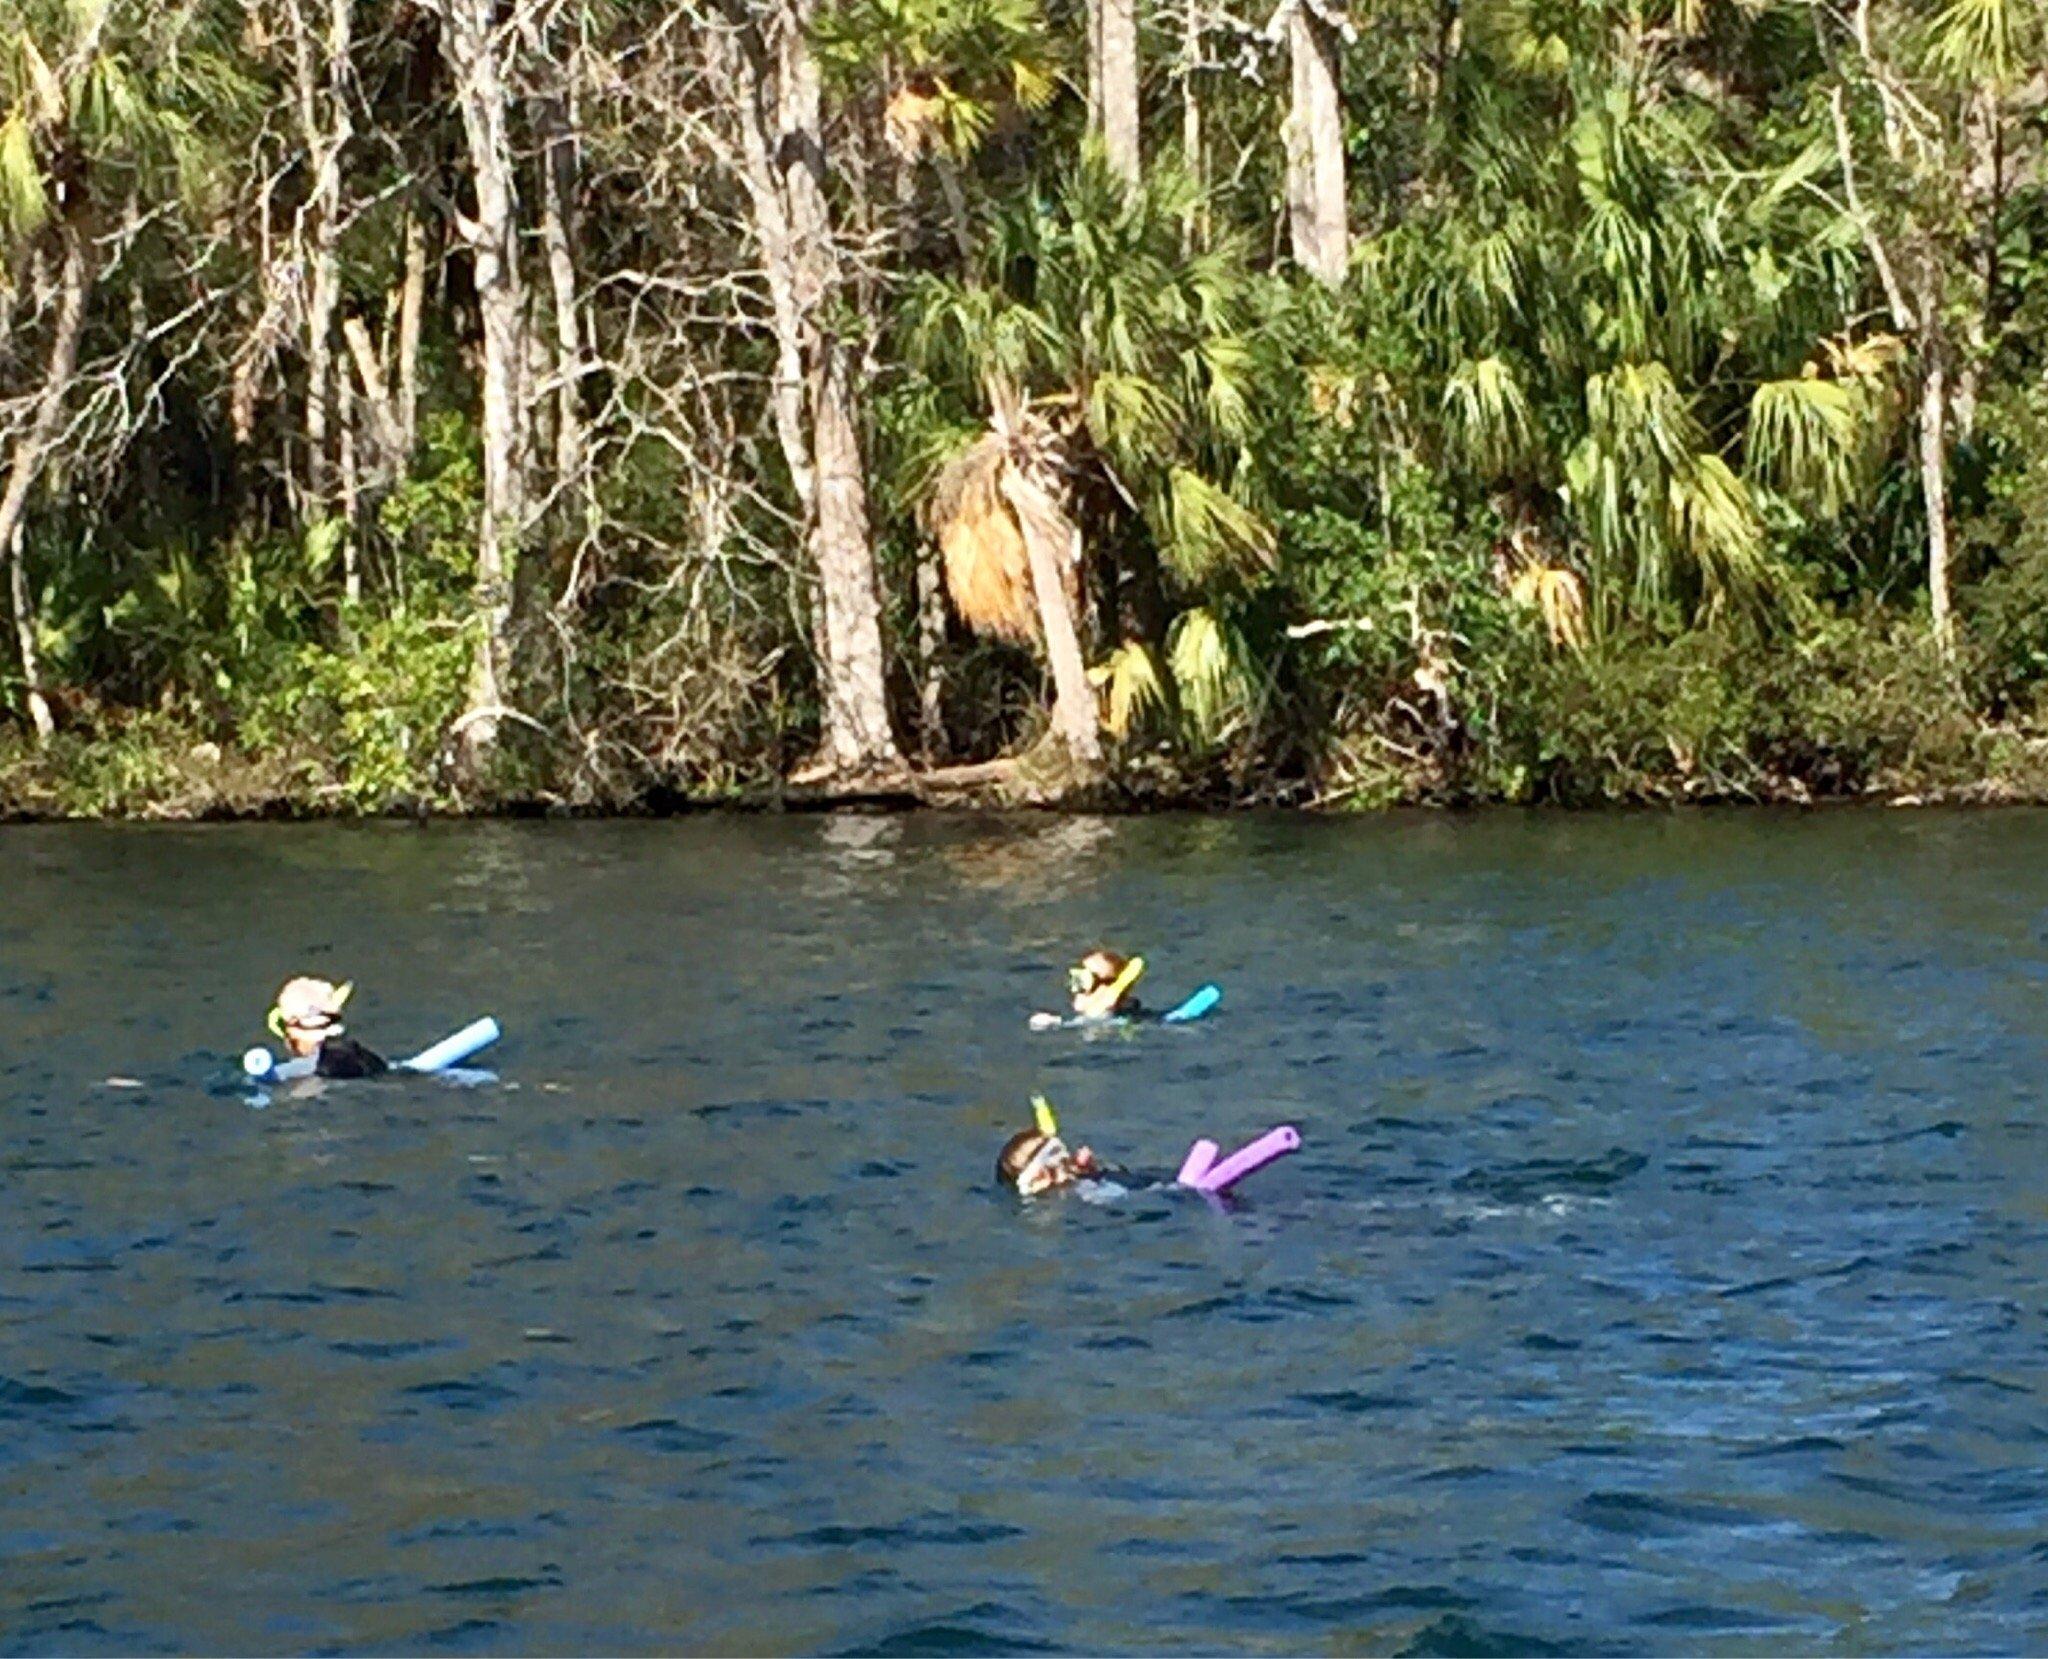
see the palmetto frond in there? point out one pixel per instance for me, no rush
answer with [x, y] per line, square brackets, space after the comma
[1522, 35]
[1665, 516]
[1131, 685]
[1088, 306]
[1815, 440]
[1207, 660]
[24, 205]
[149, 93]
[1980, 41]
[1486, 415]
[1208, 532]
[1715, 527]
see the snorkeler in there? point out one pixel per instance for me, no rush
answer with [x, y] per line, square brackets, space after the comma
[1036, 1160]
[307, 1018]
[1101, 984]
[1099, 987]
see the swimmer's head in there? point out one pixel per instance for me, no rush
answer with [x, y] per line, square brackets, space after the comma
[1033, 1162]
[1101, 980]
[307, 1012]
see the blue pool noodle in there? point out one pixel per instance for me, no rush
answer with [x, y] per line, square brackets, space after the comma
[448, 1052]
[1195, 1006]
[452, 1051]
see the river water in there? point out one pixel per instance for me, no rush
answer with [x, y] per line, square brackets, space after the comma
[1664, 1268]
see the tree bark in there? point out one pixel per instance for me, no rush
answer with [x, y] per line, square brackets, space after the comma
[1934, 488]
[1113, 84]
[1048, 540]
[74, 282]
[1315, 147]
[1196, 231]
[322, 73]
[857, 735]
[475, 51]
[351, 498]
[931, 641]
[412, 297]
[1984, 193]
[554, 122]
[384, 422]
[783, 165]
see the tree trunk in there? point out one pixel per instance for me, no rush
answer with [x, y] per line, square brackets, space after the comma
[554, 122]
[783, 166]
[1934, 488]
[1113, 83]
[931, 641]
[474, 47]
[1984, 195]
[857, 735]
[412, 298]
[1048, 540]
[1315, 147]
[351, 499]
[324, 80]
[384, 421]
[74, 282]
[25, 622]
[1196, 231]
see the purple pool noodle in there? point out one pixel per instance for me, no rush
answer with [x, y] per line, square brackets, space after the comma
[1274, 1143]
[1196, 1165]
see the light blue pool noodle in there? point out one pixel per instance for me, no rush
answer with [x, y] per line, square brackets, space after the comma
[264, 1067]
[453, 1050]
[1195, 1006]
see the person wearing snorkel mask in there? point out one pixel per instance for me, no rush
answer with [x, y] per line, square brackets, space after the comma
[1036, 1160]
[307, 1018]
[1101, 984]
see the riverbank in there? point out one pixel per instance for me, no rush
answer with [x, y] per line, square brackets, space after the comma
[1851, 709]
[158, 775]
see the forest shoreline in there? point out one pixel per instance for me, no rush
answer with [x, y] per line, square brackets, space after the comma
[1111, 797]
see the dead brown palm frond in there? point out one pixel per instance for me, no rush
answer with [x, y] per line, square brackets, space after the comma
[914, 121]
[1561, 597]
[988, 567]
[1555, 591]
[1008, 483]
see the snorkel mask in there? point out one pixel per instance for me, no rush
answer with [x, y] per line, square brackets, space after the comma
[1041, 1169]
[311, 1008]
[1053, 1163]
[1082, 979]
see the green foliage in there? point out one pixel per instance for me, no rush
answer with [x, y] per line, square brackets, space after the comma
[1610, 329]
[363, 725]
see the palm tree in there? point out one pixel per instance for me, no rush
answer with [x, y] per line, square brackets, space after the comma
[1614, 306]
[1115, 380]
[98, 110]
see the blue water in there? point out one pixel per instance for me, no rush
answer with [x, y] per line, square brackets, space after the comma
[1664, 1268]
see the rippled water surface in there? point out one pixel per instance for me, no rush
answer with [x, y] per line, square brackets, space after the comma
[1665, 1267]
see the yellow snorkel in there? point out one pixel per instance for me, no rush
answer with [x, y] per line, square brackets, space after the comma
[1041, 1112]
[1125, 980]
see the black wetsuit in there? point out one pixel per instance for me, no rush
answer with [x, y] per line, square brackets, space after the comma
[345, 1057]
